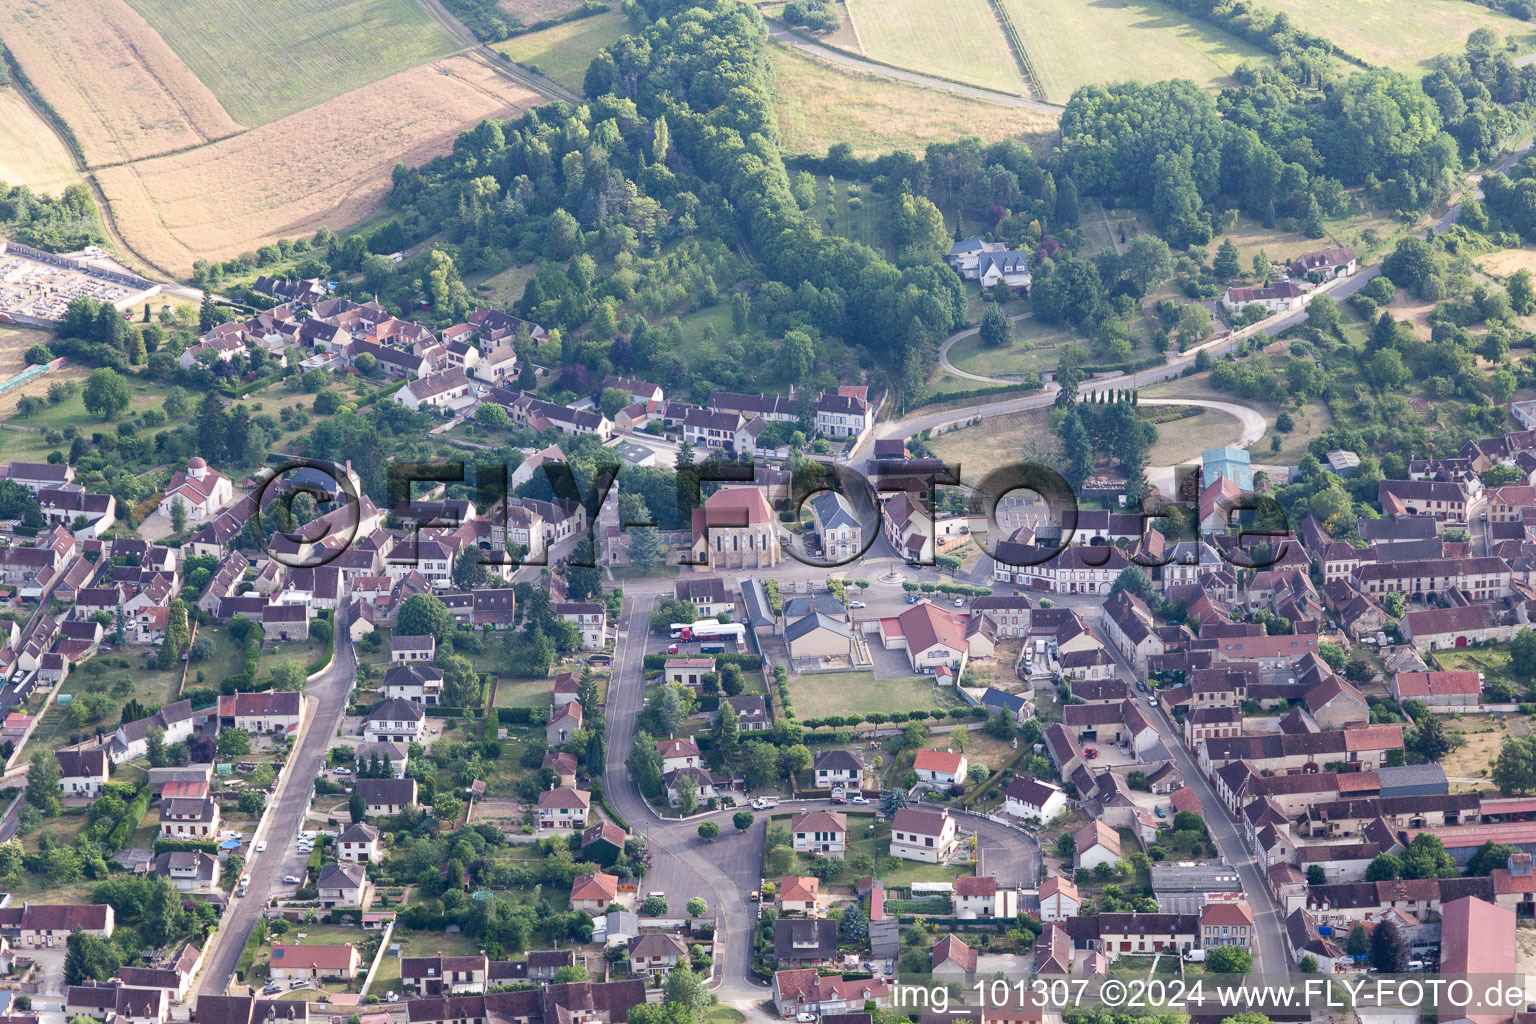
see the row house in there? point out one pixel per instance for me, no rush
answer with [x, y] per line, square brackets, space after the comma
[1443, 500]
[1481, 579]
[535, 414]
[1360, 748]
[705, 429]
[846, 414]
[1079, 569]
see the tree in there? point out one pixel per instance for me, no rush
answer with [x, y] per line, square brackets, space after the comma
[995, 330]
[1429, 739]
[1229, 960]
[1133, 579]
[1522, 653]
[1389, 953]
[233, 742]
[1514, 770]
[654, 906]
[742, 820]
[1358, 944]
[89, 957]
[1066, 203]
[424, 615]
[163, 918]
[854, 927]
[687, 795]
[178, 514]
[469, 570]
[725, 734]
[1147, 262]
[1316, 875]
[1227, 264]
[461, 683]
[1384, 867]
[1489, 856]
[43, 782]
[487, 414]
[891, 801]
[106, 393]
[1426, 857]
[357, 808]
[685, 989]
[1522, 293]
[1307, 964]
[709, 831]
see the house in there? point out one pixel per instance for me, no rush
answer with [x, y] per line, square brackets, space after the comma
[1059, 900]
[1229, 463]
[1097, 844]
[952, 957]
[708, 595]
[593, 893]
[49, 924]
[1274, 298]
[422, 684]
[563, 724]
[182, 818]
[736, 529]
[271, 711]
[940, 769]
[344, 885]
[84, 772]
[385, 798]
[923, 835]
[444, 975]
[808, 991]
[172, 981]
[412, 648]
[677, 754]
[1442, 691]
[1476, 938]
[359, 844]
[199, 490]
[844, 415]
[804, 941]
[837, 527]
[1443, 500]
[838, 768]
[1326, 263]
[564, 808]
[1033, 800]
[655, 953]
[193, 871]
[688, 671]
[314, 963]
[396, 721]
[818, 637]
[936, 638]
[590, 619]
[1009, 267]
[820, 832]
[797, 894]
[751, 712]
[247, 1009]
[450, 391]
[978, 898]
[1224, 923]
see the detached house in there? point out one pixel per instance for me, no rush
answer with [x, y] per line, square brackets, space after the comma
[182, 818]
[838, 768]
[396, 721]
[923, 835]
[564, 808]
[314, 963]
[83, 772]
[983, 899]
[820, 832]
[359, 844]
[344, 885]
[1033, 800]
[272, 711]
[594, 892]
[940, 769]
[655, 953]
[385, 798]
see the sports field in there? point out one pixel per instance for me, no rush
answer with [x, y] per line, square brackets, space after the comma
[1092, 42]
[265, 59]
[321, 166]
[124, 93]
[30, 153]
[959, 40]
[564, 51]
[1402, 34]
[820, 104]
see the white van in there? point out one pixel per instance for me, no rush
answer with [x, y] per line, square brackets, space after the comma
[1195, 956]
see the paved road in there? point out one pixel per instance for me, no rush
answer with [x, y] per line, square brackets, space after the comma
[285, 813]
[850, 60]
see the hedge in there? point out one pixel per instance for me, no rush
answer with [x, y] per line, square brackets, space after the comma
[330, 646]
[185, 846]
[1133, 366]
[514, 716]
[125, 827]
[252, 947]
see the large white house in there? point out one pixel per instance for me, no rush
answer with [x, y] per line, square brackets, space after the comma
[201, 490]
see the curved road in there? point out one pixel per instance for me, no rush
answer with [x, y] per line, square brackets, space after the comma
[858, 63]
[726, 871]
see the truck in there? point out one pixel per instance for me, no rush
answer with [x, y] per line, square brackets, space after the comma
[710, 629]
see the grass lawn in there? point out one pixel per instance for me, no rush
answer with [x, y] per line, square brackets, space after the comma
[1182, 439]
[523, 693]
[856, 212]
[961, 40]
[840, 693]
[996, 441]
[415, 943]
[267, 58]
[501, 288]
[1036, 348]
[1483, 736]
[564, 51]
[1403, 34]
[820, 104]
[1085, 42]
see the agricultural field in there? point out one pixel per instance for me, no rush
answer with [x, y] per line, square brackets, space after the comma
[564, 51]
[265, 59]
[1396, 33]
[125, 93]
[14, 342]
[1506, 262]
[961, 41]
[854, 211]
[30, 153]
[1093, 42]
[221, 200]
[530, 12]
[820, 104]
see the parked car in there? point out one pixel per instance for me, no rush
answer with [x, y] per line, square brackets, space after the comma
[261, 847]
[861, 799]
[805, 1018]
[291, 880]
[343, 771]
[230, 834]
[913, 599]
[959, 602]
[856, 604]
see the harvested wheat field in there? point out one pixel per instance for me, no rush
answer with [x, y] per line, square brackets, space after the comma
[14, 342]
[112, 79]
[30, 153]
[319, 167]
[1507, 261]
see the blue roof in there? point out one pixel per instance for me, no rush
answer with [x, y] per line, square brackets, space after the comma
[995, 698]
[1227, 454]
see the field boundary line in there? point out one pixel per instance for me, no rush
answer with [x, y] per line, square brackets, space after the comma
[1020, 54]
[858, 39]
